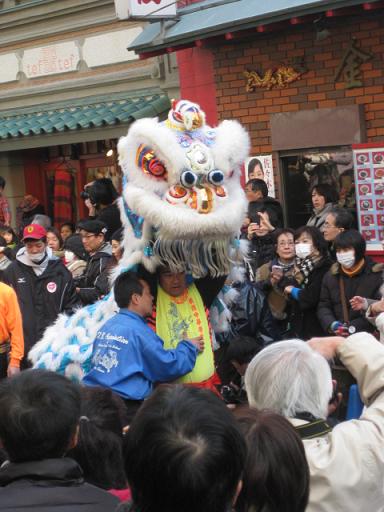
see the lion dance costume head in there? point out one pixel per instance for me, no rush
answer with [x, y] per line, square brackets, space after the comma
[182, 203]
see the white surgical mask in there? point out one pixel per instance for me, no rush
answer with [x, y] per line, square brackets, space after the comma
[347, 258]
[303, 250]
[69, 256]
[39, 256]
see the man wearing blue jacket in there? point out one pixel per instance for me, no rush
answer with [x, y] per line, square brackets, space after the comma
[128, 357]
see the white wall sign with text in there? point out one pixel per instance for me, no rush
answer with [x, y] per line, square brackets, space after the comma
[263, 166]
[145, 8]
[51, 60]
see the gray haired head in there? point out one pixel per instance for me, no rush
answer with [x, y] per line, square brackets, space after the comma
[289, 377]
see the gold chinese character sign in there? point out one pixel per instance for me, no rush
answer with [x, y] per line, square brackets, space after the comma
[278, 78]
[350, 66]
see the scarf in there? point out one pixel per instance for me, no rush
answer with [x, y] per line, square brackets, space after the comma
[178, 318]
[353, 271]
[304, 268]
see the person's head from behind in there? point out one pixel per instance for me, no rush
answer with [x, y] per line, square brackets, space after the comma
[309, 241]
[240, 352]
[255, 169]
[322, 194]
[42, 220]
[337, 221]
[276, 474]
[74, 249]
[66, 230]
[2, 184]
[54, 240]
[102, 192]
[256, 190]
[100, 442]
[133, 293]
[39, 415]
[350, 248]
[184, 451]
[289, 378]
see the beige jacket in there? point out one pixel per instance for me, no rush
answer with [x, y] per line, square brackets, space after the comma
[347, 465]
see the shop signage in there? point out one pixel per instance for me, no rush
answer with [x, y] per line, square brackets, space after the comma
[9, 66]
[369, 178]
[145, 8]
[272, 79]
[51, 60]
[350, 66]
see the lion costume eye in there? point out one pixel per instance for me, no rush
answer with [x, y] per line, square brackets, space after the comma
[149, 163]
[216, 177]
[188, 179]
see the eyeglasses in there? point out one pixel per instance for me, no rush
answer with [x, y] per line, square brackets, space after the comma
[327, 225]
[285, 244]
[85, 237]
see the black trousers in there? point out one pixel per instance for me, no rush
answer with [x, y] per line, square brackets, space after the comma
[3, 365]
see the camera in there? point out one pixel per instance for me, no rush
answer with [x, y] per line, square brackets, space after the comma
[86, 193]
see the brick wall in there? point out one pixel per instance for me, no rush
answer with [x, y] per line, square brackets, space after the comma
[316, 89]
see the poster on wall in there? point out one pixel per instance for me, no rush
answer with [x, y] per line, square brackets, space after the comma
[369, 175]
[261, 166]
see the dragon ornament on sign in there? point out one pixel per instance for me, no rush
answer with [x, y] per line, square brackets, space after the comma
[278, 78]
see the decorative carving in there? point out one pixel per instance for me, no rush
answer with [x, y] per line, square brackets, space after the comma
[278, 78]
[350, 65]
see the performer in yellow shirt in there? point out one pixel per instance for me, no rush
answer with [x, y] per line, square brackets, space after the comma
[11, 332]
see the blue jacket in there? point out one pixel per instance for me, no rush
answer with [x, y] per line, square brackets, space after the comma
[128, 357]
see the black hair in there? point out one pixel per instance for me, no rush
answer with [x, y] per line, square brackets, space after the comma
[351, 239]
[276, 475]
[343, 218]
[282, 231]
[39, 414]
[57, 235]
[125, 286]
[3, 242]
[317, 238]
[8, 229]
[184, 451]
[99, 449]
[327, 191]
[71, 225]
[242, 349]
[2, 182]
[102, 191]
[258, 185]
[118, 235]
[253, 163]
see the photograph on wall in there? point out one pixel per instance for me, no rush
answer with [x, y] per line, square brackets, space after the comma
[369, 175]
[261, 166]
[305, 169]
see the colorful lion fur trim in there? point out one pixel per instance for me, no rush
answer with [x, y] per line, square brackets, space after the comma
[182, 202]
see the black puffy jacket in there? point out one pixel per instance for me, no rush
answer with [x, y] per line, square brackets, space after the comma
[251, 316]
[366, 284]
[91, 285]
[41, 298]
[50, 485]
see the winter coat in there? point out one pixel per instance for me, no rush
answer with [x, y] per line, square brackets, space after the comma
[41, 298]
[128, 357]
[304, 321]
[317, 219]
[366, 283]
[347, 464]
[251, 316]
[90, 284]
[48, 486]
[261, 250]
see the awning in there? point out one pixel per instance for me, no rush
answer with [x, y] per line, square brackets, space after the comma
[96, 112]
[211, 18]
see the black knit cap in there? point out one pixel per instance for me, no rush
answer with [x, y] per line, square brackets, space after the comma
[93, 226]
[74, 244]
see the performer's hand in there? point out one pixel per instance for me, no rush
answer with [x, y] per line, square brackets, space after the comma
[358, 303]
[198, 342]
[12, 370]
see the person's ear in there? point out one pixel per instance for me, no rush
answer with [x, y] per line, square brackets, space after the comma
[237, 492]
[74, 439]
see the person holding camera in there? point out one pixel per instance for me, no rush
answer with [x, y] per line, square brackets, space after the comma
[100, 198]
